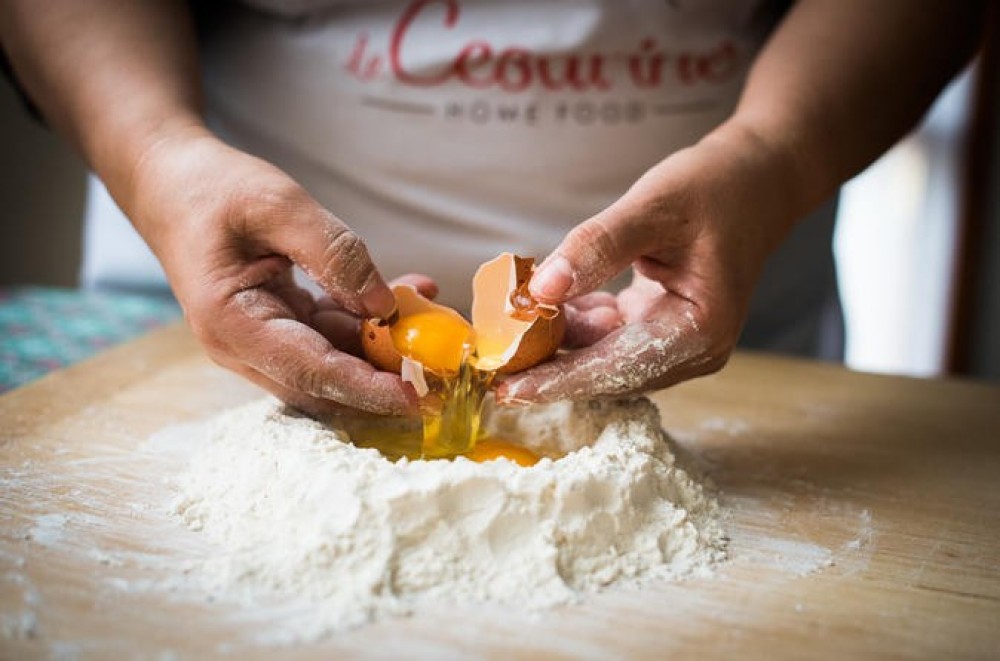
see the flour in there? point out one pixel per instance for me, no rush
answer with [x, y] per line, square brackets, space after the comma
[299, 516]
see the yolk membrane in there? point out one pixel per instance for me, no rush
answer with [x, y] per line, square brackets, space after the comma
[434, 339]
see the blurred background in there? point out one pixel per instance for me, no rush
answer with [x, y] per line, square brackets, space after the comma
[917, 245]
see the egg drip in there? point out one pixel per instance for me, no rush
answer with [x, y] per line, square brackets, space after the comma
[452, 363]
[452, 408]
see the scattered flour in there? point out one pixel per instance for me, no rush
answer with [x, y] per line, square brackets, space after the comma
[296, 514]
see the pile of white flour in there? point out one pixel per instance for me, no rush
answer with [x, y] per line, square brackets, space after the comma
[296, 514]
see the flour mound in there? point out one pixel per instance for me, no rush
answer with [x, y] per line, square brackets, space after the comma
[299, 515]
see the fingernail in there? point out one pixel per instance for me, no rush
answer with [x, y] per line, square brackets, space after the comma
[552, 279]
[378, 301]
[388, 321]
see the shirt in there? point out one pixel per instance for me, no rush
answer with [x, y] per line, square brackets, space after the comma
[447, 131]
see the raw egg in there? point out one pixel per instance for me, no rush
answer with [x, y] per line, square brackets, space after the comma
[431, 335]
[434, 339]
[434, 348]
[510, 332]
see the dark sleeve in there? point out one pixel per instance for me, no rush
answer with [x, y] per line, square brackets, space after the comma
[206, 16]
[8, 72]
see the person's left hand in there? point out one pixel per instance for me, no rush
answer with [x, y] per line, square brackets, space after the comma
[696, 230]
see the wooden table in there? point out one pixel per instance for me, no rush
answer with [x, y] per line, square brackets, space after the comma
[865, 520]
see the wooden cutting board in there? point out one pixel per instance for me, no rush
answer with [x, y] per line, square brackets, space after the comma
[864, 519]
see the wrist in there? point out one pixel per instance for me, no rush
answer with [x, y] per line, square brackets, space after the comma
[782, 150]
[121, 151]
[777, 190]
[156, 183]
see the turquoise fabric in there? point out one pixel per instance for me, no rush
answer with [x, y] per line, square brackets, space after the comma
[44, 329]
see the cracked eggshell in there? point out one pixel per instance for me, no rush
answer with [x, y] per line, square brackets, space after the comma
[503, 341]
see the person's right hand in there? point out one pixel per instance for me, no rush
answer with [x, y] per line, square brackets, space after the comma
[696, 230]
[227, 228]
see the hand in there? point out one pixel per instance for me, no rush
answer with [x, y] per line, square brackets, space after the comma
[696, 230]
[227, 228]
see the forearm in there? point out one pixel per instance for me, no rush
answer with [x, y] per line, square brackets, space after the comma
[113, 77]
[842, 80]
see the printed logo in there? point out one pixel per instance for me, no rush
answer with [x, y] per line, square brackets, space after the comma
[513, 70]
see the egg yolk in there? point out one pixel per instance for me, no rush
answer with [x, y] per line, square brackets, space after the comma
[488, 449]
[433, 338]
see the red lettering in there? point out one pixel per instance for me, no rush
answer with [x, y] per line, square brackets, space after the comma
[572, 75]
[597, 78]
[475, 55]
[357, 65]
[654, 68]
[719, 64]
[684, 70]
[357, 55]
[399, 33]
[513, 69]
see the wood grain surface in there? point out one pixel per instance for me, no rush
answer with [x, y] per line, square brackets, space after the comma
[863, 511]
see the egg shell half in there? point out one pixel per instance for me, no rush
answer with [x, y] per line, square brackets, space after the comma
[514, 344]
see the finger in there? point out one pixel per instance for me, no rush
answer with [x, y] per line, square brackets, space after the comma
[594, 252]
[341, 329]
[325, 304]
[422, 283]
[314, 406]
[299, 358]
[636, 301]
[636, 358]
[325, 248]
[585, 327]
[301, 301]
[596, 299]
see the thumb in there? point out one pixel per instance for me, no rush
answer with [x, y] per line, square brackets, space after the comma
[592, 253]
[335, 257]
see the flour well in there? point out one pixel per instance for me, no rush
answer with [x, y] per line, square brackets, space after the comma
[299, 516]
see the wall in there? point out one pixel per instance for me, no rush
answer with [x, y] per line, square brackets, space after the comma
[895, 244]
[984, 353]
